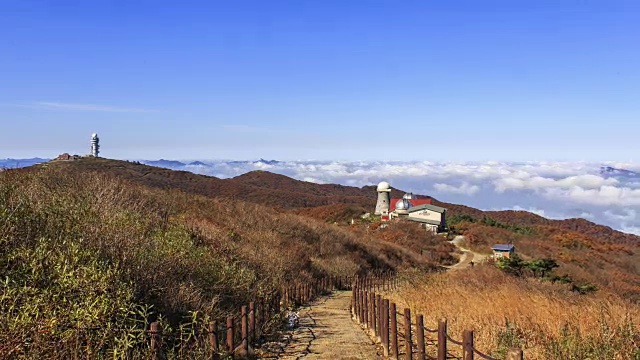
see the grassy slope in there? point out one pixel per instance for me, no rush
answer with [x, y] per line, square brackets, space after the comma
[82, 247]
[587, 251]
[149, 236]
[258, 187]
[547, 320]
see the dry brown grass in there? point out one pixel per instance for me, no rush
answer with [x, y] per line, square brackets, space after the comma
[547, 320]
[94, 248]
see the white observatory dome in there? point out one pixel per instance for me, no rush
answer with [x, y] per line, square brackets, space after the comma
[384, 186]
[403, 204]
[409, 196]
[94, 135]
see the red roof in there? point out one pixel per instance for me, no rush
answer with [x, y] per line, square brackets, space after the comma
[414, 202]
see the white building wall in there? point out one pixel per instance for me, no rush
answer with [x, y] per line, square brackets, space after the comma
[427, 215]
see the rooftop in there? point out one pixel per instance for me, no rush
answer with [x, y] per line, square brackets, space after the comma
[503, 247]
[437, 209]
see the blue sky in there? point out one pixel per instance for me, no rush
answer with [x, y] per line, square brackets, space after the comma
[404, 80]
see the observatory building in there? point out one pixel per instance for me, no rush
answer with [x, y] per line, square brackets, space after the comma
[411, 208]
[384, 195]
[95, 145]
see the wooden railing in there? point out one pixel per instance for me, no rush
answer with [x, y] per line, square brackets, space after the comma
[242, 330]
[380, 317]
[233, 336]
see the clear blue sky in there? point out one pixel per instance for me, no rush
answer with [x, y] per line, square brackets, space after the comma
[405, 80]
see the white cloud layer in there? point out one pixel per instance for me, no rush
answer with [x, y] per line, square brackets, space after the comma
[464, 188]
[550, 189]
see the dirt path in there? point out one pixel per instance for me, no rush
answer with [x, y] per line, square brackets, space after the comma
[326, 331]
[467, 257]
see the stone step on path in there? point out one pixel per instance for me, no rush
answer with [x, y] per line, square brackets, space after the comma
[326, 331]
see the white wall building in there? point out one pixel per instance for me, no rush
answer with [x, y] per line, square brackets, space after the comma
[433, 217]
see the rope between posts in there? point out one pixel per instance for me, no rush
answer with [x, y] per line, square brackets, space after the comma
[454, 341]
[430, 330]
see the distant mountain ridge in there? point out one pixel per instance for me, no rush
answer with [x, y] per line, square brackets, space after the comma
[611, 171]
[280, 191]
[164, 163]
[257, 186]
[285, 192]
[18, 163]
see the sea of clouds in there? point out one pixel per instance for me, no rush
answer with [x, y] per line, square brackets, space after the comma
[607, 194]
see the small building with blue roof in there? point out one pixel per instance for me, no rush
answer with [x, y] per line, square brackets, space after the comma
[503, 250]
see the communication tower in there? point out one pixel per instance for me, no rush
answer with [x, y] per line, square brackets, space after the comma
[95, 145]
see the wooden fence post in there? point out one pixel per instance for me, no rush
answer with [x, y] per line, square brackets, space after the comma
[304, 293]
[372, 311]
[285, 296]
[244, 325]
[353, 302]
[420, 337]
[213, 340]
[467, 345]
[378, 320]
[407, 334]
[357, 314]
[229, 334]
[155, 330]
[385, 326]
[300, 294]
[252, 321]
[515, 354]
[367, 306]
[394, 331]
[294, 295]
[363, 308]
[442, 339]
[358, 304]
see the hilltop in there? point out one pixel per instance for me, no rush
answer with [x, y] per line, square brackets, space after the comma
[524, 218]
[258, 186]
[98, 240]
[587, 251]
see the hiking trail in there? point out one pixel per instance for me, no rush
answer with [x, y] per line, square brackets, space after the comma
[325, 331]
